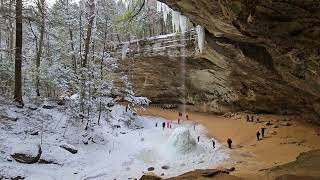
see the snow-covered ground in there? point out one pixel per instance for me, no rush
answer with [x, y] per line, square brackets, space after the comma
[112, 152]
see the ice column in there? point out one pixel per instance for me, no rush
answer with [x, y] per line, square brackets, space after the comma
[200, 37]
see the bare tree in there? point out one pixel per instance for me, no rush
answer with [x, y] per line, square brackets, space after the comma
[18, 54]
[41, 9]
[90, 18]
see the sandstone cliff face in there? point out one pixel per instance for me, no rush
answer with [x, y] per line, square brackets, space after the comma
[265, 55]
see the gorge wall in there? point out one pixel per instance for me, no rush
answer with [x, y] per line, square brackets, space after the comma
[261, 55]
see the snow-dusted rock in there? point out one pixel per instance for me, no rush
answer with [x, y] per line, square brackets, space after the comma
[48, 106]
[165, 167]
[53, 154]
[69, 148]
[28, 154]
[32, 107]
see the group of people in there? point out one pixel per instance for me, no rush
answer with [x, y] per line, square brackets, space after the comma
[169, 125]
[229, 140]
[248, 118]
[262, 133]
[180, 117]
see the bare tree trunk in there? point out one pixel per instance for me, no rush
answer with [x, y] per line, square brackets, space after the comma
[39, 53]
[18, 54]
[90, 17]
[74, 60]
[1, 43]
[11, 37]
[101, 69]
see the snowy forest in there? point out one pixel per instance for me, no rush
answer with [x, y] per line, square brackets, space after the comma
[62, 87]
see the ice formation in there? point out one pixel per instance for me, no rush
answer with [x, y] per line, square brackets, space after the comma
[124, 50]
[183, 23]
[164, 9]
[176, 21]
[179, 23]
[200, 37]
[181, 141]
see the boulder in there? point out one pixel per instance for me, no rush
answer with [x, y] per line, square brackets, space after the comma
[231, 169]
[53, 154]
[165, 167]
[33, 107]
[110, 104]
[35, 133]
[69, 148]
[61, 102]
[9, 158]
[17, 178]
[9, 118]
[150, 176]
[20, 106]
[150, 168]
[27, 154]
[47, 106]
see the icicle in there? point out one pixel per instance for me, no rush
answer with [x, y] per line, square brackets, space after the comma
[159, 6]
[165, 11]
[200, 37]
[183, 23]
[179, 22]
[176, 21]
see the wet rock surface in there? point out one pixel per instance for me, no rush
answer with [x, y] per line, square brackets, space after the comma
[196, 174]
[306, 166]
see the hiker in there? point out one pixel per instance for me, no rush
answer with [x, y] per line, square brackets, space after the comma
[251, 118]
[198, 138]
[187, 117]
[194, 127]
[156, 124]
[258, 135]
[178, 120]
[213, 143]
[229, 141]
[163, 125]
[248, 119]
[168, 124]
[262, 132]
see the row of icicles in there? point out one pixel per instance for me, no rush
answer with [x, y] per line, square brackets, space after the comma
[179, 23]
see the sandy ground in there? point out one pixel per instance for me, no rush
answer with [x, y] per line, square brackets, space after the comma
[250, 157]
